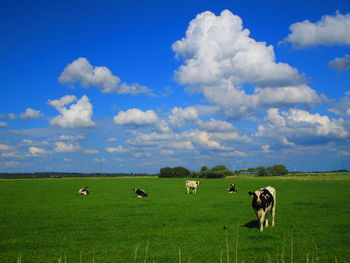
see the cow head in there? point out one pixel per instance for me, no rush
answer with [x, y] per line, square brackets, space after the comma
[260, 198]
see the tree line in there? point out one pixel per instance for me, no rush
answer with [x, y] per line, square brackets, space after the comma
[220, 171]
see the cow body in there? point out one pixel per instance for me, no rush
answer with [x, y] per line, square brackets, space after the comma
[264, 204]
[140, 192]
[84, 191]
[232, 189]
[192, 185]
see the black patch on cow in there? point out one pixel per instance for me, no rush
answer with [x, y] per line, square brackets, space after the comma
[266, 200]
[140, 192]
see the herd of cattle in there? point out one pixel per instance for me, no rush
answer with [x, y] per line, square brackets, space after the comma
[263, 203]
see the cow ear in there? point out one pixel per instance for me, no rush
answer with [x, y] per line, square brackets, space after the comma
[251, 193]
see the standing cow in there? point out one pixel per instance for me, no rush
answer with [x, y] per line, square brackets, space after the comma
[264, 203]
[84, 191]
[192, 185]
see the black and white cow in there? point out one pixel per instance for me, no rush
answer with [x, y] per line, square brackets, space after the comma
[84, 191]
[140, 192]
[264, 204]
[232, 189]
[192, 185]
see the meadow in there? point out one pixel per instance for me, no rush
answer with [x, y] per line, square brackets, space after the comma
[45, 220]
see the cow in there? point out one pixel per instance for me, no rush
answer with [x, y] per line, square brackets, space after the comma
[264, 203]
[232, 189]
[192, 185]
[140, 192]
[84, 191]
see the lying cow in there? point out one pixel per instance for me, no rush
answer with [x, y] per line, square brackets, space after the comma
[84, 191]
[140, 192]
[264, 203]
[192, 185]
[232, 189]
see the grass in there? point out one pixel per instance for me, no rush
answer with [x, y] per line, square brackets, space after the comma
[45, 220]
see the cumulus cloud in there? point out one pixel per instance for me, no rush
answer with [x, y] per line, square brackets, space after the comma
[81, 71]
[181, 116]
[342, 107]
[236, 103]
[77, 115]
[218, 48]
[298, 127]
[66, 147]
[220, 58]
[136, 117]
[329, 30]
[341, 64]
[29, 114]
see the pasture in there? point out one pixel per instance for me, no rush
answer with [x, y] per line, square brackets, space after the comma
[45, 220]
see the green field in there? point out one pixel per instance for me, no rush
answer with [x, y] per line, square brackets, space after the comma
[45, 220]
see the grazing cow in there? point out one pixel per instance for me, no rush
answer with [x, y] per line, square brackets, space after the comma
[264, 203]
[84, 191]
[192, 185]
[140, 192]
[232, 189]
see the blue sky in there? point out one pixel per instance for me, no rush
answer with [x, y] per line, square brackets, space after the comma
[134, 86]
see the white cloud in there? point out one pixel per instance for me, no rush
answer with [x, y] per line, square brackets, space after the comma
[29, 114]
[341, 64]
[218, 48]
[36, 151]
[342, 107]
[118, 149]
[71, 137]
[236, 103]
[295, 127]
[214, 125]
[220, 59]
[66, 147]
[136, 117]
[77, 115]
[81, 71]
[182, 116]
[330, 30]
[4, 147]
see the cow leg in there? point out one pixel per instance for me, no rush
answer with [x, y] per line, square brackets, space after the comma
[262, 220]
[273, 215]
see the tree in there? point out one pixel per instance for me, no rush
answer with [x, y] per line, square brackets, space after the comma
[169, 172]
[261, 170]
[277, 170]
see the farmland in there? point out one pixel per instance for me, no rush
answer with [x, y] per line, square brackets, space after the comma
[45, 220]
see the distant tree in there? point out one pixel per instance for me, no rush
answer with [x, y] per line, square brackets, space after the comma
[219, 168]
[262, 171]
[218, 171]
[204, 168]
[277, 170]
[165, 172]
[168, 172]
[181, 172]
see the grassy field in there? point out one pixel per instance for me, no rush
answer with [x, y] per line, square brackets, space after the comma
[45, 220]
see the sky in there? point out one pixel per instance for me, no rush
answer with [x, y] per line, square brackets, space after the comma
[135, 86]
